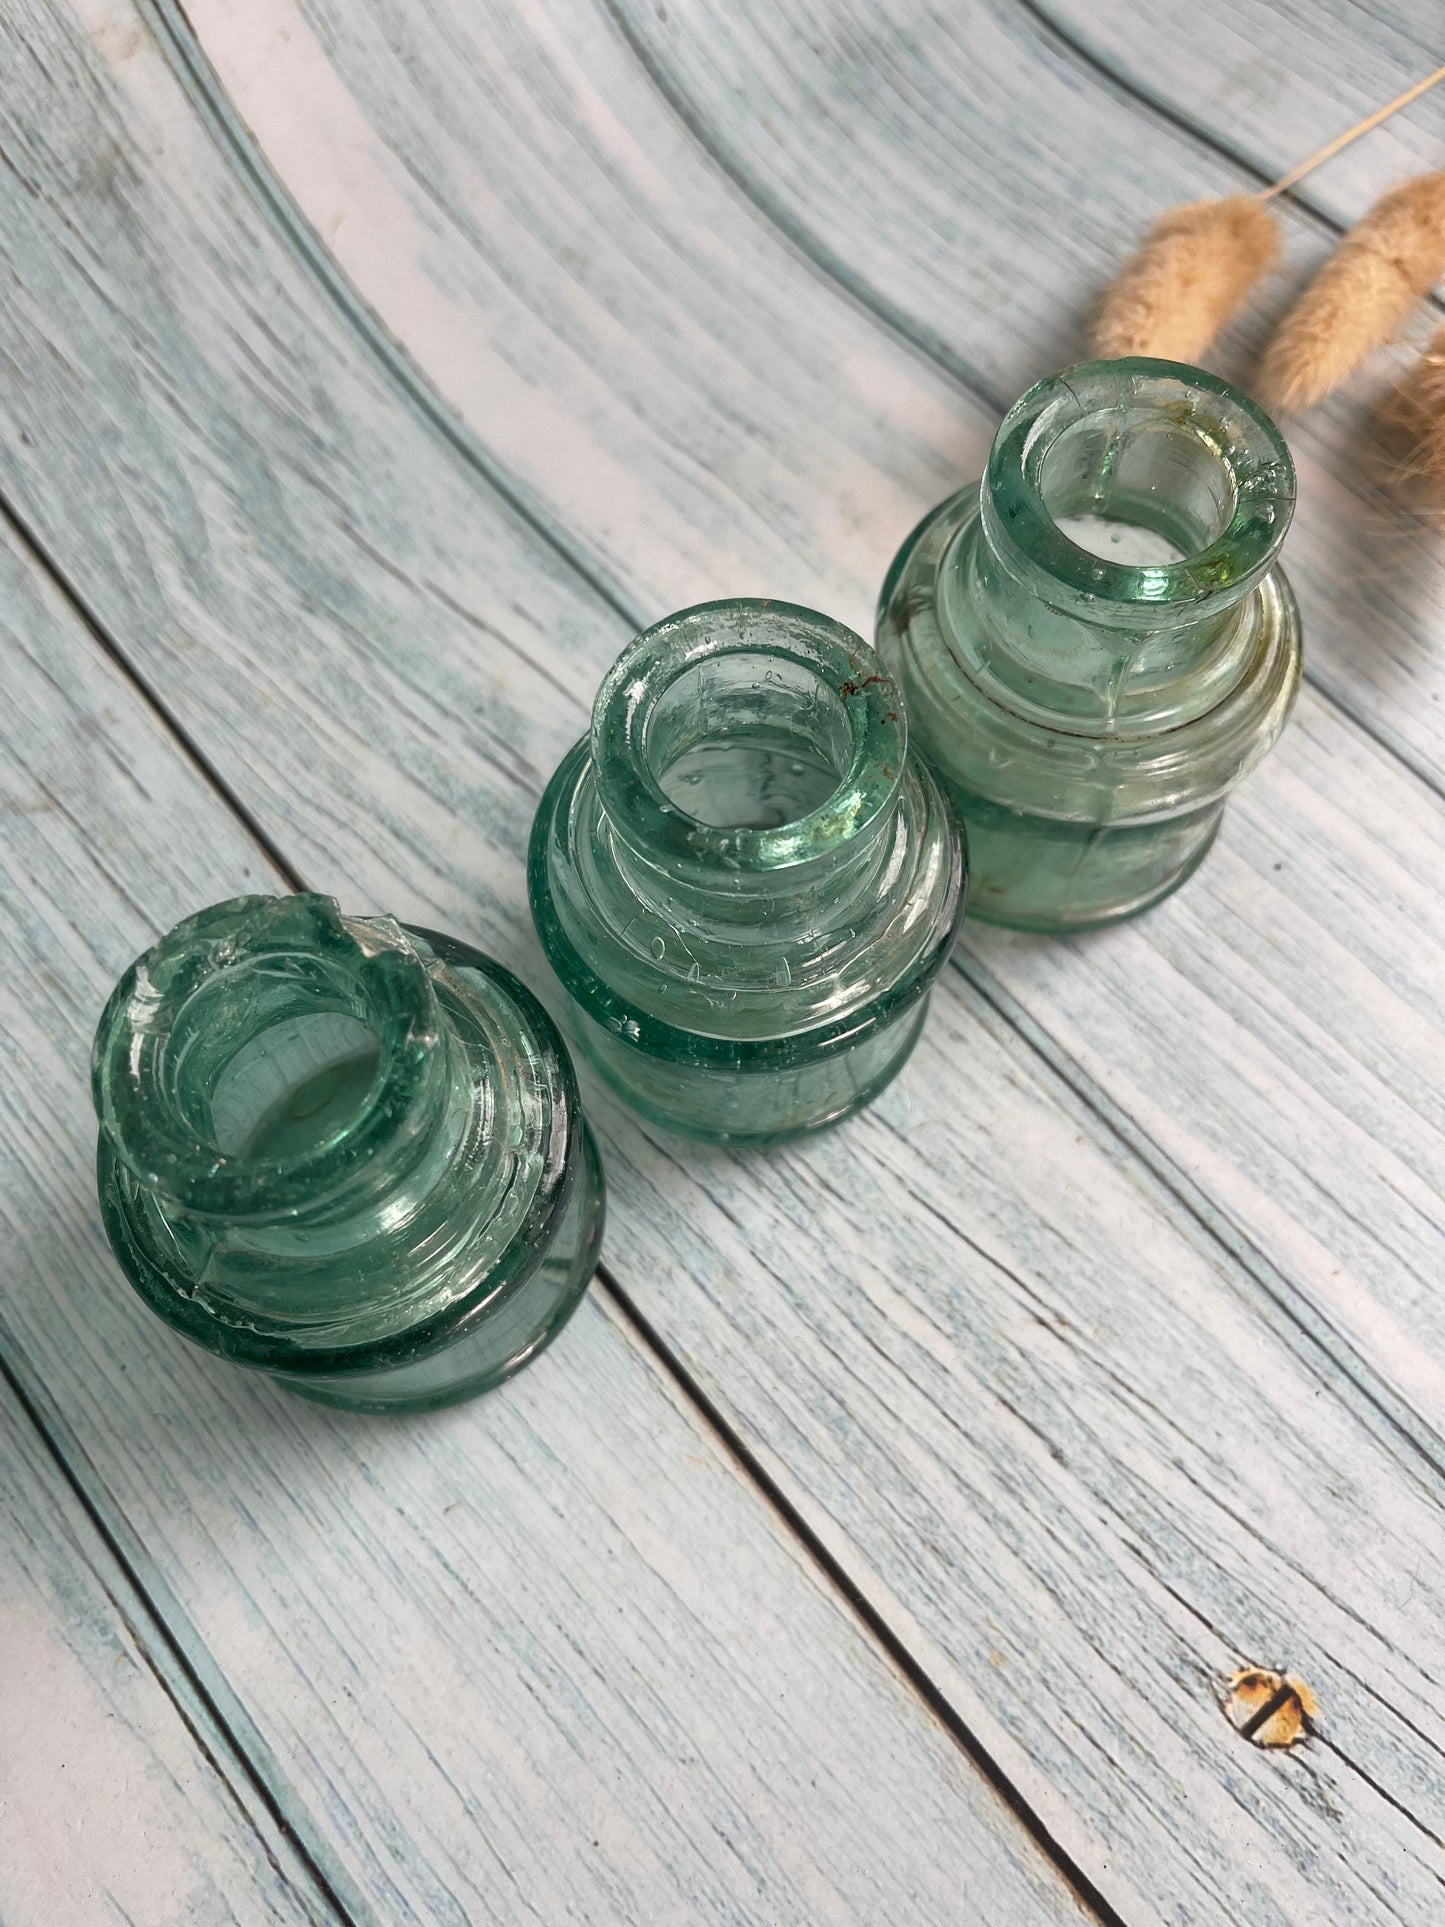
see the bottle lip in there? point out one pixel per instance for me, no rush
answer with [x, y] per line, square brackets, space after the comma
[133, 1074]
[1246, 442]
[564, 1146]
[650, 665]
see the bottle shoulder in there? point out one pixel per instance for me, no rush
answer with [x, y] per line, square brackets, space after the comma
[1068, 766]
[743, 969]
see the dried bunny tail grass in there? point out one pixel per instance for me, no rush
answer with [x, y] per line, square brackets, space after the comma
[1415, 412]
[1360, 296]
[1195, 268]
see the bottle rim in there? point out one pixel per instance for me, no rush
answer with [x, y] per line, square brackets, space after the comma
[553, 847]
[564, 1145]
[627, 706]
[1234, 430]
[149, 1023]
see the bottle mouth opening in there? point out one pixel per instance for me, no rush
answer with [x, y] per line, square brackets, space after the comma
[1141, 482]
[746, 736]
[261, 1053]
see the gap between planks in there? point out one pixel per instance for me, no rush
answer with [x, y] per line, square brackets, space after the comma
[124, 631]
[822, 260]
[854, 1598]
[1131, 90]
[201, 82]
[68, 1464]
[181, 43]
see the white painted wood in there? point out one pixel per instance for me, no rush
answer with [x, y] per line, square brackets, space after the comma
[377, 753]
[1271, 81]
[666, 383]
[120, 1801]
[977, 183]
[546, 1657]
[563, 252]
[1082, 1474]
[378, 118]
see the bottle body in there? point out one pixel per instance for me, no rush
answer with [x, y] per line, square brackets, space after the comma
[745, 883]
[1097, 644]
[345, 1153]
[747, 1102]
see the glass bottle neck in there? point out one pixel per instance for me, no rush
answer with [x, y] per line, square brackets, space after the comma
[274, 1066]
[1127, 511]
[749, 757]
[326, 1136]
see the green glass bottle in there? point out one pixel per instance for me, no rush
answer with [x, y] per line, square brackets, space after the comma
[1097, 643]
[345, 1152]
[742, 877]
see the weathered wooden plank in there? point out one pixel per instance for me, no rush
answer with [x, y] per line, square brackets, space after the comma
[416, 168]
[976, 182]
[392, 794]
[120, 1799]
[1271, 81]
[927, 137]
[1282, 1041]
[1073, 1481]
[968, 178]
[650, 367]
[550, 1657]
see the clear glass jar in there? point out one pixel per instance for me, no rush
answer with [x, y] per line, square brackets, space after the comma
[1096, 643]
[345, 1152]
[742, 877]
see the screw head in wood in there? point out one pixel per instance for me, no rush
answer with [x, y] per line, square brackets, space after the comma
[1271, 1709]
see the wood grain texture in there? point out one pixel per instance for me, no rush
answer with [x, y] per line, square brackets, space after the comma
[440, 164]
[547, 1657]
[1271, 81]
[1072, 1458]
[928, 164]
[256, 477]
[120, 1800]
[976, 182]
[500, 147]
[897, 150]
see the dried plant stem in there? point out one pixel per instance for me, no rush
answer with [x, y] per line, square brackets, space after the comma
[1198, 263]
[1341, 141]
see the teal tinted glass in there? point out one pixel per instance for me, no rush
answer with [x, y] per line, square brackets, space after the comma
[344, 1152]
[1096, 642]
[743, 878]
